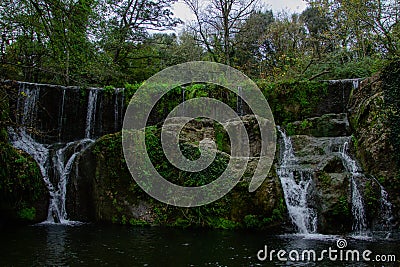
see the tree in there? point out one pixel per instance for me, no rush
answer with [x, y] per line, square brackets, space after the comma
[46, 38]
[318, 24]
[126, 24]
[217, 22]
[249, 42]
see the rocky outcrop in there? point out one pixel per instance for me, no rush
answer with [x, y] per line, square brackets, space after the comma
[330, 193]
[328, 125]
[373, 145]
[102, 188]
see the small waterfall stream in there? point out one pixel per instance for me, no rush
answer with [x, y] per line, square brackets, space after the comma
[357, 207]
[62, 163]
[61, 117]
[118, 107]
[385, 214]
[296, 192]
[91, 113]
[239, 102]
[56, 159]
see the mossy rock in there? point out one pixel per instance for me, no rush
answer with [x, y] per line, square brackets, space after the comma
[103, 190]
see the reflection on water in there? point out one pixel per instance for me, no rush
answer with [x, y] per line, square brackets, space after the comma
[90, 245]
[55, 246]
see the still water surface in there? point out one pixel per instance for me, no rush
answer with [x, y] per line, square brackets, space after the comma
[94, 245]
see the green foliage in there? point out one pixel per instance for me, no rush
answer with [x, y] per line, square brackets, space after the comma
[221, 138]
[306, 124]
[27, 213]
[137, 222]
[109, 89]
[341, 208]
[325, 179]
[354, 141]
[120, 187]
[391, 87]
[259, 222]
[372, 196]
[293, 100]
[290, 129]
[21, 184]
[222, 223]
[20, 177]
[363, 68]
[130, 90]
[251, 221]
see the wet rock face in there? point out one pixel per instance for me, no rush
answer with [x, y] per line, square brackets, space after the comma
[330, 192]
[62, 112]
[368, 116]
[328, 125]
[368, 120]
[23, 194]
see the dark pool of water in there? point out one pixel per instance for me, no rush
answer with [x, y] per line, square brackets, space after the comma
[94, 245]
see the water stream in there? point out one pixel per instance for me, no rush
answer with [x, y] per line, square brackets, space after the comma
[55, 160]
[91, 113]
[357, 201]
[295, 183]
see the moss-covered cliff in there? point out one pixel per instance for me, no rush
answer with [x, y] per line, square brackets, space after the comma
[103, 190]
[23, 194]
[374, 117]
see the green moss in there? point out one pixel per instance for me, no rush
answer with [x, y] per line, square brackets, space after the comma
[354, 141]
[372, 197]
[293, 100]
[222, 223]
[341, 208]
[21, 184]
[109, 89]
[325, 179]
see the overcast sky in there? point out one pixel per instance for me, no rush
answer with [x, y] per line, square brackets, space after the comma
[182, 12]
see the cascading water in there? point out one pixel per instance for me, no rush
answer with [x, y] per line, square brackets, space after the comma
[296, 193]
[60, 163]
[358, 210]
[239, 102]
[386, 215]
[91, 113]
[345, 85]
[118, 107]
[61, 117]
[63, 165]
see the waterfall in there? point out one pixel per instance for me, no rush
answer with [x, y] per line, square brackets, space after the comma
[91, 113]
[385, 214]
[345, 85]
[60, 163]
[118, 108]
[63, 165]
[61, 118]
[357, 202]
[356, 83]
[296, 192]
[239, 102]
[386, 209]
[183, 101]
